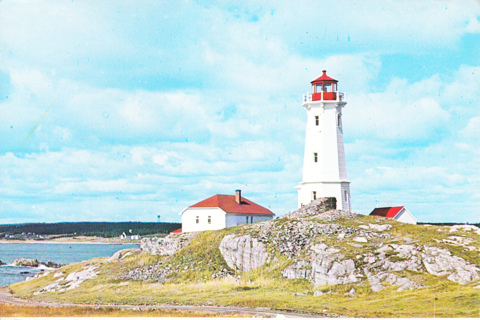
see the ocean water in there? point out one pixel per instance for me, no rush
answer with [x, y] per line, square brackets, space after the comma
[56, 252]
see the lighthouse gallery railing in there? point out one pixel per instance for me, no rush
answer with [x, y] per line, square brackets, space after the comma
[340, 96]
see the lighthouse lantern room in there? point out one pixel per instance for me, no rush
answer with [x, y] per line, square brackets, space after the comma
[324, 168]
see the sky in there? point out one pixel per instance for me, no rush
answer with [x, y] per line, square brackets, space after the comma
[126, 110]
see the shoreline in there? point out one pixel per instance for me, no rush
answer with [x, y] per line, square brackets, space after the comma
[66, 242]
[83, 240]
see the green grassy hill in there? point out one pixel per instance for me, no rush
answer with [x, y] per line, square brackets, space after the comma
[379, 249]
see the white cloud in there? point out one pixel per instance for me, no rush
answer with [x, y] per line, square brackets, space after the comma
[410, 26]
[395, 116]
[416, 178]
[164, 110]
[98, 187]
[168, 177]
[472, 130]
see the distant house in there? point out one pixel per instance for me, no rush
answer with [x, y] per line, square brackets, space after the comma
[223, 211]
[398, 213]
[125, 236]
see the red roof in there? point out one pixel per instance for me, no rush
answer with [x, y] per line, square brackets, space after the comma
[177, 231]
[228, 204]
[387, 212]
[324, 78]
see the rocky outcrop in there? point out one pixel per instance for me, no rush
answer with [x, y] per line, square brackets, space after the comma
[2, 263]
[326, 206]
[440, 262]
[120, 255]
[325, 267]
[243, 253]
[38, 275]
[465, 227]
[377, 279]
[157, 272]
[72, 281]
[22, 262]
[328, 266]
[358, 251]
[294, 232]
[165, 246]
[51, 264]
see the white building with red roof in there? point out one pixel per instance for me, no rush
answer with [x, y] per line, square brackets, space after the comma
[398, 213]
[223, 211]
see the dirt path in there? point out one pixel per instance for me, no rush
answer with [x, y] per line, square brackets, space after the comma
[7, 298]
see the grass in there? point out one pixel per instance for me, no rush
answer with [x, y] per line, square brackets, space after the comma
[192, 283]
[264, 287]
[28, 311]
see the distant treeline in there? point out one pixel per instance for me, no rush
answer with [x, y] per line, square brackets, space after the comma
[448, 223]
[99, 229]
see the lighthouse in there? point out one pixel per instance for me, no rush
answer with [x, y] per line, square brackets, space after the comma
[324, 168]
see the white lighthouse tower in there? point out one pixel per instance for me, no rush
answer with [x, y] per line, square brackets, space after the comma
[324, 169]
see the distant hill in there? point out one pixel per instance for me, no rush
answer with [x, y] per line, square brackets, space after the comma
[99, 229]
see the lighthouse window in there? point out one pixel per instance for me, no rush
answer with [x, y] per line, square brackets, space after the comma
[339, 120]
[315, 157]
[317, 121]
[314, 195]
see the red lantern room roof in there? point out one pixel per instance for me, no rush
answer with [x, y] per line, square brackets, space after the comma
[324, 78]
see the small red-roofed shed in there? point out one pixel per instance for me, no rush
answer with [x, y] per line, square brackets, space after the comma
[223, 211]
[398, 213]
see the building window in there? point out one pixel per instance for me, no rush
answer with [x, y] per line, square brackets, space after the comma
[251, 219]
[314, 195]
[317, 120]
[246, 219]
[315, 157]
[209, 219]
[198, 219]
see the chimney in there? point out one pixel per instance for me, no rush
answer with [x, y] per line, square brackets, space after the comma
[238, 196]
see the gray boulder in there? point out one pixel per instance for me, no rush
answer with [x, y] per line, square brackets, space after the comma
[243, 253]
[326, 267]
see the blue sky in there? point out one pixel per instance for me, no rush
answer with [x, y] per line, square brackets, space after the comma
[144, 108]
